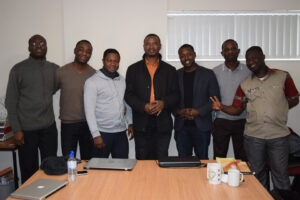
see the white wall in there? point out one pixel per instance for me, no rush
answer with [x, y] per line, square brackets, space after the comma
[177, 5]
[19, 20]
[107, 24]
[113, 24]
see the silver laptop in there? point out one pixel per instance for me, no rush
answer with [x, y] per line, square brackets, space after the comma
[110, 163]
[39, 189]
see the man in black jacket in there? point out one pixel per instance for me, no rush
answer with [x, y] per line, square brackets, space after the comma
[193, 114]
[152, 92]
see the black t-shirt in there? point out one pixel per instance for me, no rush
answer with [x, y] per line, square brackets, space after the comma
[188, 87]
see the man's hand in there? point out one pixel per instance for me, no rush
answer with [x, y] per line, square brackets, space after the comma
[98, 142]
[192, 113]
[183, 113]
[217, 105]
[157, 107]
[188, 113]
[130, 132]
[19, 138]
[148, 108]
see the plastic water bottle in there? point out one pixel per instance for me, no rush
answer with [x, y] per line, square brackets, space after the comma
[72, 168]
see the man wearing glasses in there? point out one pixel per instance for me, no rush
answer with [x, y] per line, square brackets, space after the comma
[30, 109]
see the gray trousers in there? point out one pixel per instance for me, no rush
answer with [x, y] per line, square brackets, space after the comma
[276, 151]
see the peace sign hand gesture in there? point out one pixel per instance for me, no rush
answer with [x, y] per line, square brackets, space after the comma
[217, 105]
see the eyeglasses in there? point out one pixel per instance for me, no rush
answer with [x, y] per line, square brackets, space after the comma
[42, 43]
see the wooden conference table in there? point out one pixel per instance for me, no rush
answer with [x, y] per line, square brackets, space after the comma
[147, 181]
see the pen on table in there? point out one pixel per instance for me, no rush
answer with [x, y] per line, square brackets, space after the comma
[245, 173]
[248, 173]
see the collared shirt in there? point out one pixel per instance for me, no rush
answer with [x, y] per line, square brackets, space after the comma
[267, 103]
[228, 83]
[152, 69]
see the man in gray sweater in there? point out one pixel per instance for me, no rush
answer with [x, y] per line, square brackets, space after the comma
[29, 106]
[107, 114]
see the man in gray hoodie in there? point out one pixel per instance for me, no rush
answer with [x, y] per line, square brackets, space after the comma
[106, 112]
[29, 106]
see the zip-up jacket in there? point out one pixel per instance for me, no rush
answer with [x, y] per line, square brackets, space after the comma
[138, 89]
[104, 105]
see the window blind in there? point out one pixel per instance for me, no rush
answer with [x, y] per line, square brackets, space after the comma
[278, 33]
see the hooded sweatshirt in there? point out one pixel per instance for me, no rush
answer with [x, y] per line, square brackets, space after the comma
[104, 104]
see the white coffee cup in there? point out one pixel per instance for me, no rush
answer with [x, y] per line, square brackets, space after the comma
[224, 178]
[214, 173]
[235, 177]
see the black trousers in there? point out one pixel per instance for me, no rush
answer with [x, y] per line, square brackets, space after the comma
[151, 144]
[45, 140]
[223, 130]
[74, 133]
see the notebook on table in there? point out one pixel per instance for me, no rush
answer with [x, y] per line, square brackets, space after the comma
[175, 161]
[39, 189]
[110, 163]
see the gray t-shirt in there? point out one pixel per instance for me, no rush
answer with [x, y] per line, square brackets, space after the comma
[228, 82]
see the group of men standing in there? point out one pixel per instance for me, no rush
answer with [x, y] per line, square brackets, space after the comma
[98, 107]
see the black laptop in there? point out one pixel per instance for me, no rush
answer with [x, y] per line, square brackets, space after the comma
[175, 161]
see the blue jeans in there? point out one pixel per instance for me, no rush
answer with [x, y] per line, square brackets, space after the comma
[116, 144]
[74, 133]
[189, 138]
[276, 151]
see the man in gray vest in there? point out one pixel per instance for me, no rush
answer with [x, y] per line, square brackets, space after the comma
[229, 75]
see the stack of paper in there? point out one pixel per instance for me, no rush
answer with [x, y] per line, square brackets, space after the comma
[231, 163]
